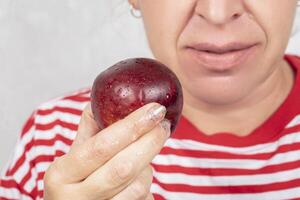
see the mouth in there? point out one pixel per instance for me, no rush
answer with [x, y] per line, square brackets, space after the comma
[221, 57]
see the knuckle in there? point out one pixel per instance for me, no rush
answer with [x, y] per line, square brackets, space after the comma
[100, 148]
[121, 172]
[48, 178]
[139, 190]
[52, 176]
[134, 128]
[131, 126]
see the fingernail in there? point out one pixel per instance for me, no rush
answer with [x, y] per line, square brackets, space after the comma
[166, 125]
[157, 112]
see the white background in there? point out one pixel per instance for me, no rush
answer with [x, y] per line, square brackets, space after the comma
[50, 47]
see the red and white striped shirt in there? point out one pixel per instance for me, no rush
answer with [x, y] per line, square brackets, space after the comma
[263, 165]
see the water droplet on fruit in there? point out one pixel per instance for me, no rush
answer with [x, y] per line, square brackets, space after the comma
[108, 86]
[168, 96]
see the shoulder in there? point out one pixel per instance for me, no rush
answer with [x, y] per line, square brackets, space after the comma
[47, 134]
[59, 118]
[52, 127]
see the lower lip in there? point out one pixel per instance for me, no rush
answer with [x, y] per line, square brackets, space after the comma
[222, 62]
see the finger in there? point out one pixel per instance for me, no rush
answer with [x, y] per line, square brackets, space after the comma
[118, 172]
[84, 159]
[139, 188]
[87, 126]
[149, 197]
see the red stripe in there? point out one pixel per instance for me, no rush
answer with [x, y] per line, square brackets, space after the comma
[78, 98]
[28, 125]
[41, 193]
[34, 191]
[39, 159]
[83, 92]
[33, 142]
[10, 184]
[229, 189]
[51, 125]
[51, 142]
[225, 155]
[40, 176]
[60, 109]
[158, 197]
[225, 171]
[21, 160]
[186, 130]
[42, 158]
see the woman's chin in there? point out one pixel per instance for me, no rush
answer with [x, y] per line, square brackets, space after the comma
[217, 95]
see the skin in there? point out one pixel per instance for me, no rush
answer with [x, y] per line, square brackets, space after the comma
[114, 163]
[225, 101]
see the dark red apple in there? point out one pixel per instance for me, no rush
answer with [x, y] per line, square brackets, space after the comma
[132, 83]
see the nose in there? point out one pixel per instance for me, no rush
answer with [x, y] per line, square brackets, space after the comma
[219, 12]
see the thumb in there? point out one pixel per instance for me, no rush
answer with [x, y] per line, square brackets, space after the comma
[87, 126]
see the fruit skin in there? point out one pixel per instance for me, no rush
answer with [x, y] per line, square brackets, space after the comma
[132, 83]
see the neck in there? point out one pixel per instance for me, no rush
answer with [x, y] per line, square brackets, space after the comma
[241, 118]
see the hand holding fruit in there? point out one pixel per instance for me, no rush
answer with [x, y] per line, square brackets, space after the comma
[112, 163]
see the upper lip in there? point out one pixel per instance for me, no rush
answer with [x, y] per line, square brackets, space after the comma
[221, 48]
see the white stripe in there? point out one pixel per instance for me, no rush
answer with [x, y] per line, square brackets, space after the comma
[36, 151]
[20, 147]
[66, 103]
[226, 163]
[42, 166]
[12, 193]
[65, 117]
[251, 150]
[28, 136]
[274, 195]
[31, 183]
[294, 122]
[198, 180]
[51, 133]
[22, 170]
[40, 185]
[47, 135]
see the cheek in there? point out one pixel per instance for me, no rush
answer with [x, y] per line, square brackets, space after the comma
[275, 18]
[163, 22]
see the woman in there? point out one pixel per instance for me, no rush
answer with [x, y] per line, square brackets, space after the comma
[239, 134]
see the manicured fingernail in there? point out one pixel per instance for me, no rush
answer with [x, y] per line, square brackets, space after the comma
[166, 125]
[157, 112]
